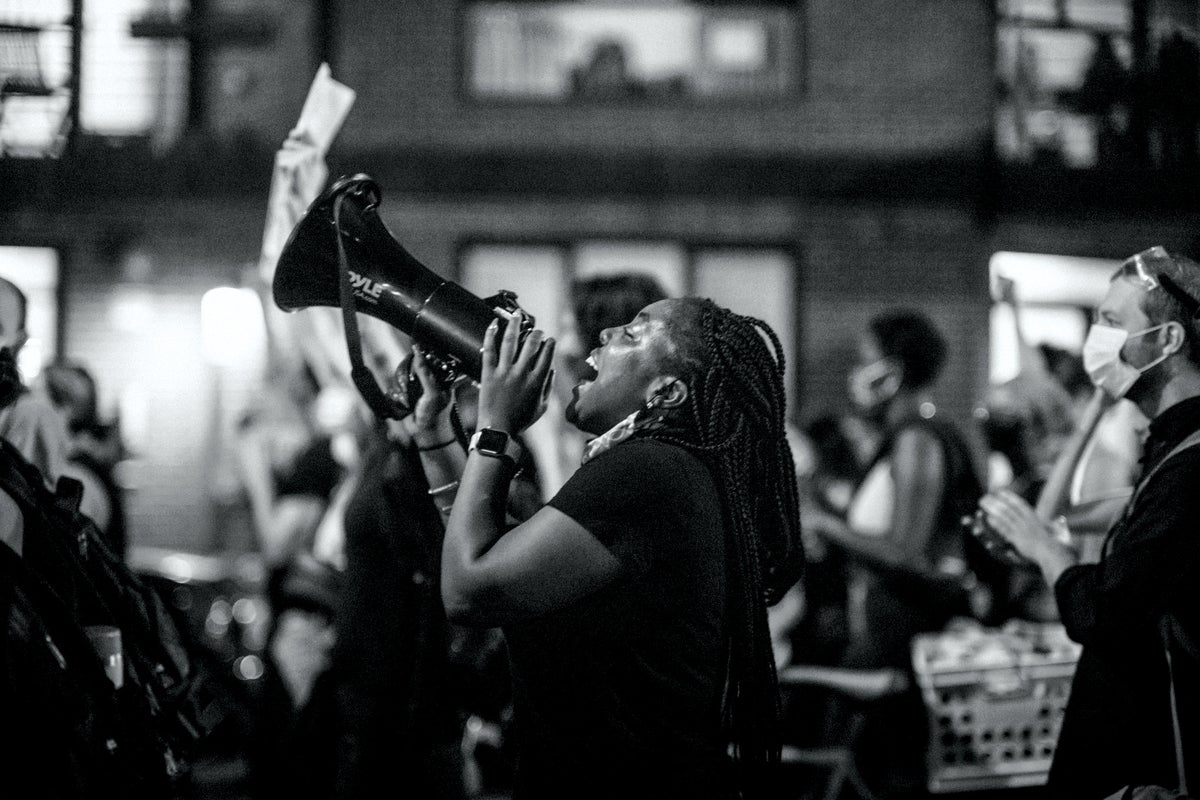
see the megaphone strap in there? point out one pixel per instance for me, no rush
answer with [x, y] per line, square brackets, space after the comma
[383, 406]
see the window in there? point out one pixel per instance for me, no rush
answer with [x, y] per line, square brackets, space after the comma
[612, 51]
[748, 279]
[35, 74]
[132, 86]
[1070, 94]
[1055, 295]
[128, 85]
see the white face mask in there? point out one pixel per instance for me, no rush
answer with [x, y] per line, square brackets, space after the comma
[871, 385]
[1102, 359]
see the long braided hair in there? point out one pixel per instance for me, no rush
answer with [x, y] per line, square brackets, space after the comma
[734, 420]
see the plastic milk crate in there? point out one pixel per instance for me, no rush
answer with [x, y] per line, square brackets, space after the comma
[995, 699]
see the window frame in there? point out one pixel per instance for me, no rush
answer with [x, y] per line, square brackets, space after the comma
[794, 92]
[691, 247]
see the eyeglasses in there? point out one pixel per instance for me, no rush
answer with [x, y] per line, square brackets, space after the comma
[1138, 267]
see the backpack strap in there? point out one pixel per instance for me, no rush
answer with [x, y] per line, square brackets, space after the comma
[68, 493]
[1165, 626]
[1144, 481]
[18, 477]
[1164, 629]
[1190, 441]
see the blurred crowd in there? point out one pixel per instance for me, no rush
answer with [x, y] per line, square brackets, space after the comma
[367, 683]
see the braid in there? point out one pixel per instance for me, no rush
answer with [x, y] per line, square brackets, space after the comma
[734, 419]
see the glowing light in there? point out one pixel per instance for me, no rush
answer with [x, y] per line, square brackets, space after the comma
[249, 668]
[178, 568]
[232, 327]
[220, 612]
[31, 359]
[244, 611]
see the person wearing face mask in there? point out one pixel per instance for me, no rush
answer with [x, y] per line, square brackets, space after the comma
[903, 538]
[903, 519]
[1133, 716]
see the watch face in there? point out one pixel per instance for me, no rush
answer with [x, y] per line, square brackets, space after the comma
[492, 441]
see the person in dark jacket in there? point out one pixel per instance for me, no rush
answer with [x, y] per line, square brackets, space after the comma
[1118, 730]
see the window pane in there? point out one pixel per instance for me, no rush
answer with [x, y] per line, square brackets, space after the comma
[1052, 290]
[1062, 326]
[666, 262]
[1114, 14]
[35, 68]
[759, 283]
[1046, 279]
[535, 273]
[1079, 87]
[618, 51]
[130, 86]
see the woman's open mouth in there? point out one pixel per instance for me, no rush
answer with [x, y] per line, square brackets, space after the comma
[589, 374]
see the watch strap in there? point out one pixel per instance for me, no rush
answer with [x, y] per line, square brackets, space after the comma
[487, 441]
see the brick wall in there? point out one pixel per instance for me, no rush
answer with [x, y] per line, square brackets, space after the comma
[879, 77]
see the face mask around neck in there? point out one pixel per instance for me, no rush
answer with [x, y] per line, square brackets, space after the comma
[1103, 363]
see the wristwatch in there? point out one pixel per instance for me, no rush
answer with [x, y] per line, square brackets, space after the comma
[495, 444]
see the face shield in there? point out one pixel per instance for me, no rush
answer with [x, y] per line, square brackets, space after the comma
[1102, 351]
[1149, 269]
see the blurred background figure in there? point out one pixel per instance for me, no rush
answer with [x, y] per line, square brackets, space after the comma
[830, 454]
[398, 708]
[289, 468]
[606, 75]
[841, 445]
[1105, 95]
[292, 746]
[398, 698]
[908, 556]
[300, 450]
[95, 448]
[29, 422]
[1028, 417]
[1177, 95]
[412, 694]
[1067, 369]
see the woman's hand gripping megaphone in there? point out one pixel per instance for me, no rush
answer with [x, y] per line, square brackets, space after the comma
[430, 422]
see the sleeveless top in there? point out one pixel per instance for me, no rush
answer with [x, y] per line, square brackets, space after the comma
[886, 607]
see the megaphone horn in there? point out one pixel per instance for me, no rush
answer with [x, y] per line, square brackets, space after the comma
[341, 243]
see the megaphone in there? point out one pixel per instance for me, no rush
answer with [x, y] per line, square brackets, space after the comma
[341, 254]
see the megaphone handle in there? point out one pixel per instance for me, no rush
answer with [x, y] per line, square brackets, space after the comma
[383, 406]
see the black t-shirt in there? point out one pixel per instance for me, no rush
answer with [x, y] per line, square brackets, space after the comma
[619, 694]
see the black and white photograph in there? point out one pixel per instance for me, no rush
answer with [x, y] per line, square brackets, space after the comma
[599, 399]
